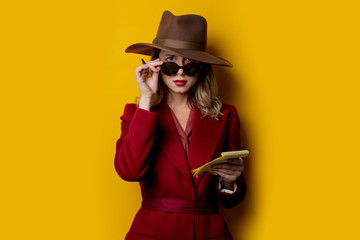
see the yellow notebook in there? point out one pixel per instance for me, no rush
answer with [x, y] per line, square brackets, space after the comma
[224, 158]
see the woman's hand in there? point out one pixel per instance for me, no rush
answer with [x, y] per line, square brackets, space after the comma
[229, 171]
[147, 78]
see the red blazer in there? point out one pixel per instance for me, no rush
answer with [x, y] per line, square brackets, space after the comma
[150, 151]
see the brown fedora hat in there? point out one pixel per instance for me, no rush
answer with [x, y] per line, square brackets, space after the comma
[183, 35]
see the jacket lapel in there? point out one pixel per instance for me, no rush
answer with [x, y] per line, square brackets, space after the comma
[205, 138]
[170, 142]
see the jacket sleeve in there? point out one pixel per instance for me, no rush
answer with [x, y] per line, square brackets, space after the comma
[138, 130]
[233, 143]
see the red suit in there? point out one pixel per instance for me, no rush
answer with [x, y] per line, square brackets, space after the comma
[150, 151]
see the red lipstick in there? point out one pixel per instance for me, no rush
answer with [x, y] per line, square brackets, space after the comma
[180, 83]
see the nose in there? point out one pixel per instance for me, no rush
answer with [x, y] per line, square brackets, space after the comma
[181, 70]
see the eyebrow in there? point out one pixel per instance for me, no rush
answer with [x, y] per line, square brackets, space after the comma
[172, 55]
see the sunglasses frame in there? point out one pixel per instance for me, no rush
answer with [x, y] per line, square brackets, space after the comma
[184, 67]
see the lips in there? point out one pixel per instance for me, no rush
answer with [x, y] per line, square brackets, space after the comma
[180, 82]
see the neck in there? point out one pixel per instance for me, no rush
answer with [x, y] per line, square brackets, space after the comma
[176, 100]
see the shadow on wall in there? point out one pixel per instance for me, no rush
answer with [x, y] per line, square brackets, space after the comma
[230, 91]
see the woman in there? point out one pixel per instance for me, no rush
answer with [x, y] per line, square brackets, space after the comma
[179, 125]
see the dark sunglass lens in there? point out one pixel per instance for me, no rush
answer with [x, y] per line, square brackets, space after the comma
[192, 69]
[169, 68]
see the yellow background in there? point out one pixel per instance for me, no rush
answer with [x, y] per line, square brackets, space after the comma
[65, 80]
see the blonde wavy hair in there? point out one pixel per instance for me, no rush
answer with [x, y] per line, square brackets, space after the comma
[203, 95]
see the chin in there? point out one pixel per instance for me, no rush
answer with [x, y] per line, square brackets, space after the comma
[182, 91]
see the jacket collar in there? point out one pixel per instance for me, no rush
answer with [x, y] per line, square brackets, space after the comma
[206, 137]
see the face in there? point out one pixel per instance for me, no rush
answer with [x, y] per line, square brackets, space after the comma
[178, 82]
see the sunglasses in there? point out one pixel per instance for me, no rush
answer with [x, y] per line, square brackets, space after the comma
[190, 69]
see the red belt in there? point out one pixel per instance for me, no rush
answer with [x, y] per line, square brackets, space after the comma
[179, 205]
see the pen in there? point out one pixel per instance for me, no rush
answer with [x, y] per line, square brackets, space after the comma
[149, 72]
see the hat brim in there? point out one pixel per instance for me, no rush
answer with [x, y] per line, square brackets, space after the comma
[202, 56]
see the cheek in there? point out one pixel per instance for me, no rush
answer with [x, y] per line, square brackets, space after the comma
[165, 78]
[193, 80]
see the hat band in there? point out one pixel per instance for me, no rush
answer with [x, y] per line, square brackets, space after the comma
[172, 43]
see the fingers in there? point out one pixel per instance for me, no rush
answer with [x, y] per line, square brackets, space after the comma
[230, 164]
[229, 173]
[146, 70]
[154, 65]
[142, 71]
[230, 170]
[236, 161]
[147, 76]
[229, 177]
[236, 172]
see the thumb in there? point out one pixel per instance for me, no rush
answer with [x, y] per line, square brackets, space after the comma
[154, 81]
[155, 77]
